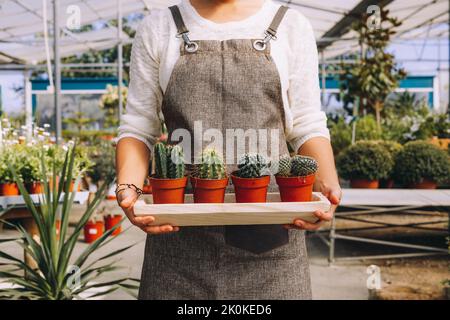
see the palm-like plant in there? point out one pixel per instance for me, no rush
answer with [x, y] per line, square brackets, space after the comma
[52, 279]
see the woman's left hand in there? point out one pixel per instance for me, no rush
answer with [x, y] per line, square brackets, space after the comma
[334, 194]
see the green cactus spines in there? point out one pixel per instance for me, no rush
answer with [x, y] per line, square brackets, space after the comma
[302, 166]
[176, 168]
[169, 161]
[160, 154]
[284, 166]
[212, 166]
[252, 166]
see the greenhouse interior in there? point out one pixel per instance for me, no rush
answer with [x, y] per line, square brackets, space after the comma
[69, 85]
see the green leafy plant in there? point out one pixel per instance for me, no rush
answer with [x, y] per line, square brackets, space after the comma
[375, 75]
[252, 165]
[297, 166]
[420, 160]
[169, 161]
[102, 154]
[28, 163]
[53, 253]
[365, 160]
[7, 158]
[212, 166]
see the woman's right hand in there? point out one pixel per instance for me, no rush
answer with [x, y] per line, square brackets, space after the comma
[126, 199]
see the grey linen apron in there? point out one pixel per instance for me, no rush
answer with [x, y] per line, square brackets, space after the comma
[227, 85]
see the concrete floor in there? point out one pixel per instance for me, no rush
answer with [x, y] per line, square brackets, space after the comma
[343, 281]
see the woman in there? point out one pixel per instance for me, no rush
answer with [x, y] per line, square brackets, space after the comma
[199, 61]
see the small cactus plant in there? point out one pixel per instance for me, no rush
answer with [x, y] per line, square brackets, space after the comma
[297, 166]
[252, 166]
[212, 166]
[169, 161]
[284, 166]
[302, 166]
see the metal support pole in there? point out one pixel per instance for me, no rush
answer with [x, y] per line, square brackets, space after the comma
[28, 104]
[324, 77]
[332, 241]
[119, 56]
[57, 71]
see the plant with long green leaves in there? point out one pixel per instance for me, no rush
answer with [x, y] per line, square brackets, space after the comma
[53, 253]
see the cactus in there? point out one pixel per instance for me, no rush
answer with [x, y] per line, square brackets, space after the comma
[302, 166]
[252, 166]
[284, 166]
[160, 154]
[169, 161]
[212, 166]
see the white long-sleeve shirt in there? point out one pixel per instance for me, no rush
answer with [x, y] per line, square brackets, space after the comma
[156, 49]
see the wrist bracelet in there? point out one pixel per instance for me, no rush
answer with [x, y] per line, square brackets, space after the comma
[123, 186]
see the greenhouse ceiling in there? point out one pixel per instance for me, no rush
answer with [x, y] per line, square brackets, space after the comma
[22, 24]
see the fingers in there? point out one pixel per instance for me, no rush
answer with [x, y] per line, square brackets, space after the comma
[335, 196]
[161, 229]
[324, 216]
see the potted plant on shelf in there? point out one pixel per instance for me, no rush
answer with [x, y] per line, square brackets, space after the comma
[169, 181]
[422, 165]
[393, 148]
[364, 164]
[8, 186]
[56, 251]
[295, 178]
[252, 178]
[28, 167]
[93, 230]
[209, 179]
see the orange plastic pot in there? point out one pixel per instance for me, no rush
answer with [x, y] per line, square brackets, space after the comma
[111, 221]
[93, 230]
[296, 189]
[147, 189]
[35, 187]
[364, 184]
[168, 190]
[250, 189]
[72, 186]
[425, 184]
[209, 190]
[9, 189]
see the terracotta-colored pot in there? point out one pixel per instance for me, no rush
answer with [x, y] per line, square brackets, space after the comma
[72, 186]
[168, 190]
[364, 184]
[9, 189]
[296, 189]
[35, 187]
[386, 184]
[250, 189]
[147, 189]
[111, 221]
[93, 230]
[425, 184]
[209, 190]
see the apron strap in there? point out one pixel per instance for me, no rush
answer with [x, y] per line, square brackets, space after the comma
[179, 22]
[271, 32]
[182, 30]
[273, 28]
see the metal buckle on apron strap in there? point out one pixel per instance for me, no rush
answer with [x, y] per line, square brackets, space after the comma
[189, 45]
[261, 45]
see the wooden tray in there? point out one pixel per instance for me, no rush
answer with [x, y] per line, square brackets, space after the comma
[231, 213]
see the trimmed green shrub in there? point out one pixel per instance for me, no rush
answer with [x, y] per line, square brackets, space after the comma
[421, 160]
[365, 160]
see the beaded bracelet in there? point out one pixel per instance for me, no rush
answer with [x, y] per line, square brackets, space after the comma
[123, 186]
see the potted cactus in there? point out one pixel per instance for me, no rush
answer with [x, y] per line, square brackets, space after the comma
[295, 178]
[169, 181]
[251, 179]
[209, 179]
